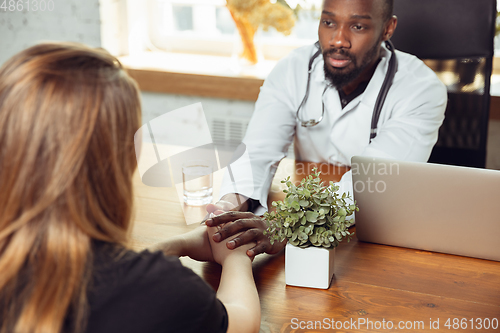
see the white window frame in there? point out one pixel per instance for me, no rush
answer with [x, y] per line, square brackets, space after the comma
[137, 31]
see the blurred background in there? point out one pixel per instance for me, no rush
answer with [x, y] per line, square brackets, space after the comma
[188, 51]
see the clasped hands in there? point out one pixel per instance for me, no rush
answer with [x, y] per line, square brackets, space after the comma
[239, 228]
[228, 232]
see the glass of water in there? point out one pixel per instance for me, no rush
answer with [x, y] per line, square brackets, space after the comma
[197, 182]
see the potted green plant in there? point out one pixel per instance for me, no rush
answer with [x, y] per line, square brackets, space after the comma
[314, 218]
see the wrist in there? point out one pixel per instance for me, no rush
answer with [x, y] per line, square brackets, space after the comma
[236, 258]
[182, 247]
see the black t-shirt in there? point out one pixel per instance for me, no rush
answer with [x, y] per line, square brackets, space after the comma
[149, 292]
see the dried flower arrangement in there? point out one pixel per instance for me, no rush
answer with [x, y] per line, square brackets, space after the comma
[249, 15]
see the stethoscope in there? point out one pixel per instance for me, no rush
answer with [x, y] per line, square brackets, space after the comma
[389, 77]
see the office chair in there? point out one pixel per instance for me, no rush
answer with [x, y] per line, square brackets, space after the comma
[455, 38]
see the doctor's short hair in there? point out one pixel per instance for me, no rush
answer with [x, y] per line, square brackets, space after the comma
[388, 8]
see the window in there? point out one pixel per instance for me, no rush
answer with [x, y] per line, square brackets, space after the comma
[497, 37]
[201, 26]
[206, 26]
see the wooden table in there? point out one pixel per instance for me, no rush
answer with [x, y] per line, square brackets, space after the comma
[374, 286]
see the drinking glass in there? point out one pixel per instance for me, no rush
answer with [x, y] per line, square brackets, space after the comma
[197, 182]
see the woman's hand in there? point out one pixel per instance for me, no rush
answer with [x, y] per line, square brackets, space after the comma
[237, 289]
[197, 244]
[221, 252]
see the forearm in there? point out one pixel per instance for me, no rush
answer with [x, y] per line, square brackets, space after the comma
[194, 244]
[174, 246]
[239, 295]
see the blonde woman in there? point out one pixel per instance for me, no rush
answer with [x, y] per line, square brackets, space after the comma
[68, 114]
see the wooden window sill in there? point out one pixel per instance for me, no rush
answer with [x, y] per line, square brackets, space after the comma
[196, 75]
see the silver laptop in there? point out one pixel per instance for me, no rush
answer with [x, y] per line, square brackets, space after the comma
[425, 206]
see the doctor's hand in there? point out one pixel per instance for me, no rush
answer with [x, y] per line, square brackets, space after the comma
[220, 251]
[251, 228]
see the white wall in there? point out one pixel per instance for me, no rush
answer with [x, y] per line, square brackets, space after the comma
[71, 20]
[227, 119]
[157, 104]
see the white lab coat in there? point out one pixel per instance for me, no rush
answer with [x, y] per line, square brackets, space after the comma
[407, 129]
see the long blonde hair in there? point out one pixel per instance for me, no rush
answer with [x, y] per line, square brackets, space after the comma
[68, 114]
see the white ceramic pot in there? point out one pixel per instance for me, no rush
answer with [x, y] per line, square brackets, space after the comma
[310, 267]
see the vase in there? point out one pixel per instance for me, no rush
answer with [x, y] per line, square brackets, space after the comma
[310, 267]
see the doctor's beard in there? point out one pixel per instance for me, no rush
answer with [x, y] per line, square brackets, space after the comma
[339, 78]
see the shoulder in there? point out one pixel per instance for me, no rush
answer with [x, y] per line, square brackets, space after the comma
[141, 291]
